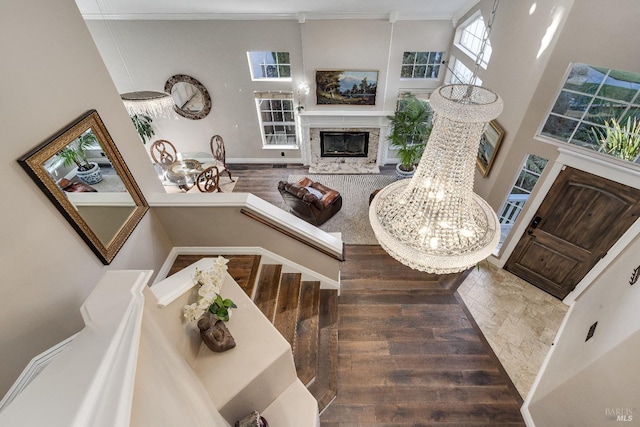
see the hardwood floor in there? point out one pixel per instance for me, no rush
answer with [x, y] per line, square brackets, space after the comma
[409, 352]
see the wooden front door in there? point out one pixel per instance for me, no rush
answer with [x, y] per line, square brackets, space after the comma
[581, 217]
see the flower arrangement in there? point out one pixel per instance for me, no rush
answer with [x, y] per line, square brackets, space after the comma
[209, 283]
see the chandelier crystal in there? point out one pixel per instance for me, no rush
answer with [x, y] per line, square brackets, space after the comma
[434, 222]
[149, 103]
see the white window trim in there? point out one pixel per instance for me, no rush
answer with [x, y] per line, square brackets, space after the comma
[484, 64]
[567, 146]
[267, 79]
[285, 96]
[418, 79]
[450, 71]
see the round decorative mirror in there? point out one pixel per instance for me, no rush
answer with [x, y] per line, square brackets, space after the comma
[189, 95]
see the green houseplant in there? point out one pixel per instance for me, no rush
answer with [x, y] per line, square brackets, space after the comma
[76, 153]
[622, 141]
[410, 129]
[142, 122]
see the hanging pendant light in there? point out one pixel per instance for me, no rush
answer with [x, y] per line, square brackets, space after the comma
[154, 104]
[434, 222]
[149, 103]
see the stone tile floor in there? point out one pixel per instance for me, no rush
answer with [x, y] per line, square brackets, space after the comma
[518, 320]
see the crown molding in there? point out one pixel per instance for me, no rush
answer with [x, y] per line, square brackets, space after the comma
[470, 4]
[301, 17]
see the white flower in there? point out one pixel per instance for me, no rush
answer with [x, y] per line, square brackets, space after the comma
[220, 262]
[191, 312]
[209, 283]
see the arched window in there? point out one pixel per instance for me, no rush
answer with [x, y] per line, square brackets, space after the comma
[470, 41]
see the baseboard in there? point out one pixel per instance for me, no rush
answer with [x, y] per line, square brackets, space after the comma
[279, 160]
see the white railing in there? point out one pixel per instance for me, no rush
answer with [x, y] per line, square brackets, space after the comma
[512, 208]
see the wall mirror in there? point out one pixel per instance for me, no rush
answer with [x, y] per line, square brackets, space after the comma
[82, 172]
[191, 98]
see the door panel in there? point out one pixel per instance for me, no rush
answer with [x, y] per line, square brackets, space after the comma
[581, 217]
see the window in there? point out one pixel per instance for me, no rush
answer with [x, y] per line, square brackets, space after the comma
[269, 65]
[593, 109]
[277, 119]
[461, 74]
[421, 65]
[422, 94]
[527, 179]
[471, 40]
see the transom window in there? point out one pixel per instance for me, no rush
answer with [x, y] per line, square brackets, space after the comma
[598, 109]
[269, 65]
[471, 40]
[462, 74]
[277, 119]
[421, 65]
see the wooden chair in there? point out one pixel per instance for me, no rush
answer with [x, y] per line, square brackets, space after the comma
[163, 152]
[209, 180]
[218, 152]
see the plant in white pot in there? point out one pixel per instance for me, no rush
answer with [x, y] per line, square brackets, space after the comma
[410, 130]
[76, 152]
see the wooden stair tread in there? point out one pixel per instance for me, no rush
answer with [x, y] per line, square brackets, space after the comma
[305, 345]
[244, 270]
[266, 294]
[286, 312]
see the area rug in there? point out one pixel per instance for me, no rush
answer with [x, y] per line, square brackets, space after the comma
[110, 184]
[226, 185]
[353, 219]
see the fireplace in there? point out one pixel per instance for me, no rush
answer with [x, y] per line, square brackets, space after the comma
[344, 144]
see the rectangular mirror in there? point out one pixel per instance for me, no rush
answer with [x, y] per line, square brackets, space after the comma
[83, 174]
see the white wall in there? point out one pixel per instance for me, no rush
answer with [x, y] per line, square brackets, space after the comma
[53, 74]
[514, 72]
[581, 378]
[579, 39]
[214, 52]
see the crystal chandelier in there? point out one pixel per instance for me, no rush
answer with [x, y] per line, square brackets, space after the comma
[149, 103]
[143, 103]
[434, 222]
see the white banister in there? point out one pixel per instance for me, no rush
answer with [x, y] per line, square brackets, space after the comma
[91, 381]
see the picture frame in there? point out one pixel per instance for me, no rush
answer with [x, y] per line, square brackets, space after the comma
[488, 148]
[346, 87]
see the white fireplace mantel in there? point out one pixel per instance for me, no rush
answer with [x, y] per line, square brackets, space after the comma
[344, 120]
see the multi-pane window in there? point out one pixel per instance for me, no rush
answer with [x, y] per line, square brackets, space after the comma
[461, 74]
[277, 119]
[471, 40]
[269, 65]
[527, 179]
[421, 65]
[598, 109]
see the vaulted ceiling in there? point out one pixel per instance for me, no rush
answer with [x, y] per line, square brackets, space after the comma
[276, 9]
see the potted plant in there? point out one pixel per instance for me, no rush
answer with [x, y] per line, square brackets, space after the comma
[76, 153]
[142, 122]
[410, 129]
[622, 141]
[211, 310]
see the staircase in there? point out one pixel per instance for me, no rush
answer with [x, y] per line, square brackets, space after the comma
[305, 315]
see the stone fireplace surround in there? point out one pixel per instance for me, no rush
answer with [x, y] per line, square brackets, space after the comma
[313, 122]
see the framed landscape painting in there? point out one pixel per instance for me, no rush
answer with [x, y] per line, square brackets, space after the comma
[489, 144]
[346, 87]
